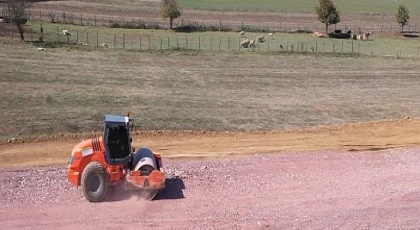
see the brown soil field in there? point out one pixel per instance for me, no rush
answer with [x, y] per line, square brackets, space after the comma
[364, 136]
[149, 11]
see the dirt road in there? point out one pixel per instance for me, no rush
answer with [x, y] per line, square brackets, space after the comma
[368, 136]
[354, 176]
[305, 190]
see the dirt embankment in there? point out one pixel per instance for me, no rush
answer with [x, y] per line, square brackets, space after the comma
[368, 136]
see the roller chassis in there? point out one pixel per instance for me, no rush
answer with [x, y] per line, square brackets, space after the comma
[110, 160]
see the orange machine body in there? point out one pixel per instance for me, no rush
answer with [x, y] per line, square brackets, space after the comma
[94, 150]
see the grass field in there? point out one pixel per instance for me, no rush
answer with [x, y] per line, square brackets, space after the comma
[379, 45]
[345, 6]
[67, 90]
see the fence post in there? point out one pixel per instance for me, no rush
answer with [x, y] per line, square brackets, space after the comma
[220, 41]
[58, 35]
[342, 44]
[352, 45]
[123, 40]
[168, 42]
[211, 44]
[228, 43]
[334, 47]
[161, 40]
[114, 39]
[30, 29]
[148, 39]
[87, 37]
[199, 43]
[316, 47]
[140, 42]
[186, 41]
[268, 46]
[77, 35]
[11, 30]
[97, 38]
[177, 41]
[358, 49]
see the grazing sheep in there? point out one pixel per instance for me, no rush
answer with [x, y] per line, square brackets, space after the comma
[320, 34]
[104, 45]
[252, 43]
[40, 49]
[360, 37]
[366, 35]
[353, 36]
[245, 43]
[1, 20]
[66, 32]
[270, 35]
[242, 33]
[260, 38]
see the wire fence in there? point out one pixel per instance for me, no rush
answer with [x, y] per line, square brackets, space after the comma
[144, 40]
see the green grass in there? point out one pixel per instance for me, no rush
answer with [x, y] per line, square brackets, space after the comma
[345, 6]
[70, 90]
[225, 41]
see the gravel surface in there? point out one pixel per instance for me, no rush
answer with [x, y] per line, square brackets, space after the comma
[316, 190]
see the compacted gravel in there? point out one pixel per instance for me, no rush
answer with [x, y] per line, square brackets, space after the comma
[309, 190]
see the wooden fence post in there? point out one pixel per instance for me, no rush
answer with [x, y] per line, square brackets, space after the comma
[77, 35]
[97, 38]
[177, 42]
[168, 42]
[140, 42]
[342, 44]
[123, 40]
[199, 42]
[186, 41]
[148, 39]
[220, 41]
[211, 44]
[87, 37]
[30, 29]
[228, 43]
[114, 39]
[161, 40]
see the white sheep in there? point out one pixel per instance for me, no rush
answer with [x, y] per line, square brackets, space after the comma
[260, 38]
[66, 32]
[270, 35]
[1, 20]
[245, 43]
[252, 43]
[242, 33]
[40, 49]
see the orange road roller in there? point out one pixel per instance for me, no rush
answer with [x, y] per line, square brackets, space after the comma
[103, 162]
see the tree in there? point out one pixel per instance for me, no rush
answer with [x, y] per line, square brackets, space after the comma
[16, 10]
[170, 10]
[402, 16]
[327, 13]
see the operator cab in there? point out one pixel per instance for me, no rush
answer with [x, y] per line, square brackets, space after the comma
[117, 139]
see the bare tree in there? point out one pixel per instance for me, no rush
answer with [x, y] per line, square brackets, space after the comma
[16, 10]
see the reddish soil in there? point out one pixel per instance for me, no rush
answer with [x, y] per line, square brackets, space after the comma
[149, 12]
[316, 190]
